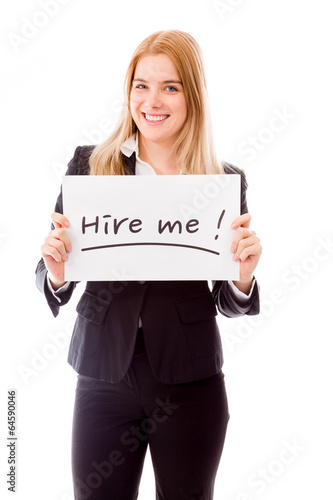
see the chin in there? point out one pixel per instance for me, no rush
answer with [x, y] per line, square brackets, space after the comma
[152, 135]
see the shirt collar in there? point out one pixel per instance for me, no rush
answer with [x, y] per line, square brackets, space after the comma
[130, 146]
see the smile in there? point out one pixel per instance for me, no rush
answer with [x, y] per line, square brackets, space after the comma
[155, 118]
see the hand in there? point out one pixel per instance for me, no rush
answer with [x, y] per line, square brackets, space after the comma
[55, 249]
[247, 249]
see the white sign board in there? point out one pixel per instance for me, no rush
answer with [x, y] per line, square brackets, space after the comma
[142, 228]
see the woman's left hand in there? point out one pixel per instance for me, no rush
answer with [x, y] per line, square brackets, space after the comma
[247, 249]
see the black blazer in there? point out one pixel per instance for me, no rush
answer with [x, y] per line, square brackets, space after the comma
[178, 317]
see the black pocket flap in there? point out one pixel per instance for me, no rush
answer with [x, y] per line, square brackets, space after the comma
[197, 309]
[93, 308]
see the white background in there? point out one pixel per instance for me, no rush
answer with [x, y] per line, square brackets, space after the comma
[262, 58]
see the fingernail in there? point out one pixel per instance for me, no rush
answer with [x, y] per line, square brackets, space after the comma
[235, 257]
[65, 258]
[232, 250]
[67, 224]
[233, 225]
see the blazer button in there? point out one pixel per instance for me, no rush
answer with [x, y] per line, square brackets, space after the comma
[141, 282]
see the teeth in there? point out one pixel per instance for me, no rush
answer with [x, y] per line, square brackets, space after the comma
[152, 118]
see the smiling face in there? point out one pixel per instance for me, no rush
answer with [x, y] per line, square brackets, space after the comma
[157, 100]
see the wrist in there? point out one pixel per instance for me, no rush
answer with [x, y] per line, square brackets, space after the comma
[244, 285]
[56, 284]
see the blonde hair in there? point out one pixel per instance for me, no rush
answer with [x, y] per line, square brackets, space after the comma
[194, 148]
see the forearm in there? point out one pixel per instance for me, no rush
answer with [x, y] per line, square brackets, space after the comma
[230, 304]
[44, 285]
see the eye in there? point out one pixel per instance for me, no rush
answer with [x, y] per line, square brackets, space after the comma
[141, 86]
[171, 88]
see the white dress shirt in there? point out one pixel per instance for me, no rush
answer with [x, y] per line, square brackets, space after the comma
[130, 146]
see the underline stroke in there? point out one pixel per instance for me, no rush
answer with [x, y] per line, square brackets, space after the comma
[158, 244]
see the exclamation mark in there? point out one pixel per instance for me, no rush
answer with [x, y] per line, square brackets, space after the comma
[219, 222]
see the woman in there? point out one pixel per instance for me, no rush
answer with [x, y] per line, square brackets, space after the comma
[148, 354]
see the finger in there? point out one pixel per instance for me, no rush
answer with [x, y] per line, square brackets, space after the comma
[50, 251]
[61, 234]
[56, 249]
[241, 233]
[253, 251]
[59, 220]
[243, 220]
[245, 243]
[59, 248]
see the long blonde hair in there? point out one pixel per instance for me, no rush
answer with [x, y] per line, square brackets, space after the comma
[194, 148]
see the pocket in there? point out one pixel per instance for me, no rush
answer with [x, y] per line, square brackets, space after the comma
[200, 308]
[93, 308]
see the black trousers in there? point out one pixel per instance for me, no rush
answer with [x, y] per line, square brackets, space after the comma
[183, 424]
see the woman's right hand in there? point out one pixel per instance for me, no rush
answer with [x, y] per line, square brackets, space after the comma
[55, 249]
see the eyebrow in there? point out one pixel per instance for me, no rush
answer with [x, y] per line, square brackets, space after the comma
[165, 81]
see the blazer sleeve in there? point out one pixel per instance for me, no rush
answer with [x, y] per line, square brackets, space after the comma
[78, 165]
[226, 301]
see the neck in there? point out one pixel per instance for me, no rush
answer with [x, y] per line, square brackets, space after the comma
[159, 156]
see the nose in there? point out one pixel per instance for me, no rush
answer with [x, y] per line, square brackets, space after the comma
[153, 99]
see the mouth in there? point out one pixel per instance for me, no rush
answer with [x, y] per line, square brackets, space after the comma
[155, 119]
